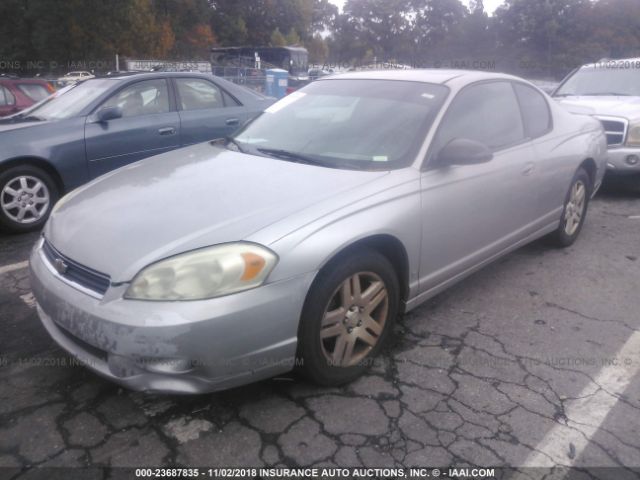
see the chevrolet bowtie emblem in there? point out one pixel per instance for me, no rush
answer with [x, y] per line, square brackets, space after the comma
[60, 266]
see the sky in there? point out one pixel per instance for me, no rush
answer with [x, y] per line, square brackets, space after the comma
[489, 5]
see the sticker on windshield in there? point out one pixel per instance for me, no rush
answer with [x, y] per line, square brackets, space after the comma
[288, 100]
[380, 158]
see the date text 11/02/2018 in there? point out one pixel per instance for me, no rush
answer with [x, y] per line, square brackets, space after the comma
[320, 473]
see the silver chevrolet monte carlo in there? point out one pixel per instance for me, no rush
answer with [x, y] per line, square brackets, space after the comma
[305, 234]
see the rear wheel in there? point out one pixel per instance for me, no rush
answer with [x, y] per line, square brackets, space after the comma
[348, 315]
[27, 194]
[575, 210]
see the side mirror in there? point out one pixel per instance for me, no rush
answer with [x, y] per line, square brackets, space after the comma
[109, 113]
[462, 151]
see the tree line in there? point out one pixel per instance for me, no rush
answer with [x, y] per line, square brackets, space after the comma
[544, 38]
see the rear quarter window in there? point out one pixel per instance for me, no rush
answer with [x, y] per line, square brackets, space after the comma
[229, 101]
[535, 110]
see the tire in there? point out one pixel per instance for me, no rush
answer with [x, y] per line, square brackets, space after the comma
[29, 192]
[574, 212]
[351, 338]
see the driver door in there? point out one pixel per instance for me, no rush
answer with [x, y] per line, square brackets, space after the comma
[470, 213]
[149, 126]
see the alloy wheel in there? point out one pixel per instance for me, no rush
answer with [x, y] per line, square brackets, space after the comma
[25, 199]
[354, 319]
[575, 208]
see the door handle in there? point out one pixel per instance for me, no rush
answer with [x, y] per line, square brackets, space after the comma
[166, 131]
[528, 168]
[232, 121]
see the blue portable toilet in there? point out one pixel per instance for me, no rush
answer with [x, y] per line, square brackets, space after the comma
[276, 82]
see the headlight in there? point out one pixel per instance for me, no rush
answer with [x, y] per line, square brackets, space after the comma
[205, 273]
[633, 135]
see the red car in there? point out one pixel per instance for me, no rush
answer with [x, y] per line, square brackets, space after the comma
[19, 93]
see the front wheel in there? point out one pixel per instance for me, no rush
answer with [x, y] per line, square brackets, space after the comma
[575, 210]
[27, 195]
[348, 315]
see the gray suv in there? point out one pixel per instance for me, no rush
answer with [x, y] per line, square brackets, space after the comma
[610, 91]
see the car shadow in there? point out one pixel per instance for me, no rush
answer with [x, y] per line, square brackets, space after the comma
[620, 187]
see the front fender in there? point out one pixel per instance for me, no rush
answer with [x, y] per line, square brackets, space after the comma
[59, 143]
[393, 212]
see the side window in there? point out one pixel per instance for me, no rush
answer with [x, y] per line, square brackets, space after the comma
[34, 91]
[6, 97]
[196, 94]
[535, 110]
[487, 113]
[142, 98]
[229, 101]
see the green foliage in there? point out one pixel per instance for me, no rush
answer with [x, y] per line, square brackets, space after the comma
[262, 17]
[277, 39]
[318, 50]
[530, 37]
[292, 37]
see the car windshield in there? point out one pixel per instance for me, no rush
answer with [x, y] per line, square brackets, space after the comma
[73, 101]
[605, 80]
[356, 124]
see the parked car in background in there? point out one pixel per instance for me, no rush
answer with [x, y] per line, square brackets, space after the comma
[356, 198]
[547, 86]
[102, 124]
[610, 91]
[316, 73]
[73, 77]
[16, 94]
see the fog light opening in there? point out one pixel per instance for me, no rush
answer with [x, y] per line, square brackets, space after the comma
[632, 160]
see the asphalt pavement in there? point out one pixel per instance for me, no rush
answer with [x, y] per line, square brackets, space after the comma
[532, 361]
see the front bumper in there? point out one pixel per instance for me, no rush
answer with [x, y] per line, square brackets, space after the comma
[617, 161]
[173, 347]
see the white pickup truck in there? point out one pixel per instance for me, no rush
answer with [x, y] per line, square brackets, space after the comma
[610, 91]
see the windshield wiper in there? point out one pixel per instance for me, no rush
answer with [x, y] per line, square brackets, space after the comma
[19, 117]
[31, 118]
[291, 156]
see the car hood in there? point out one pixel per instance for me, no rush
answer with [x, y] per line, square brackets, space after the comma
[183, 200]
[7, 125]
[615, 106]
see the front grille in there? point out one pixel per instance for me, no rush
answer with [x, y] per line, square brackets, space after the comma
[616, 130]
[74, 272]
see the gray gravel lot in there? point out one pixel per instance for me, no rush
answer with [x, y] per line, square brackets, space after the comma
[518, 353]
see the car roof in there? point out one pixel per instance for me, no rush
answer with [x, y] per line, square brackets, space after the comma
[39, 81]
[427, 75]
[244, 94]
[128, 75]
